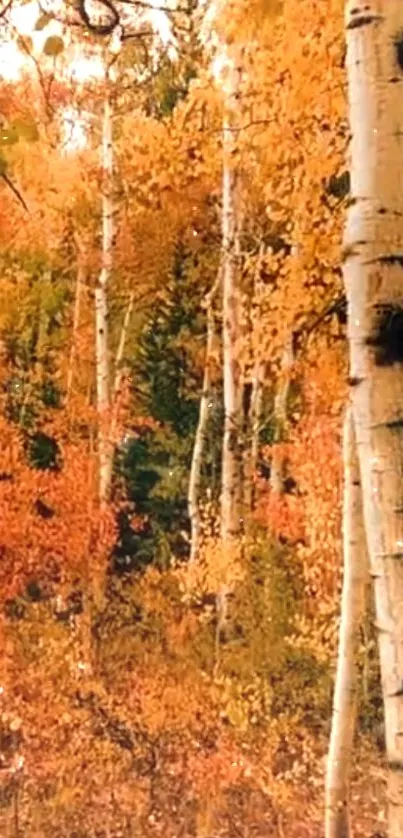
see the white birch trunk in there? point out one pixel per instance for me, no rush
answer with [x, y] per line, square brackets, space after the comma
[280, 416]
[232, 313]
[199, 446]
[231, 471]
[101, 301]
[355, 584]
[373, 273]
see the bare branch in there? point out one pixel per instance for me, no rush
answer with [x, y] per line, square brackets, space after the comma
[115, 18]
[16, 191]
[100, 28]
[6, 8]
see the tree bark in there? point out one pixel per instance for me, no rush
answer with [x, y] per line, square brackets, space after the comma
[199, 446]
[231, 473]
[373, 273]
[355, 584]
[101, 301]
[232, 313]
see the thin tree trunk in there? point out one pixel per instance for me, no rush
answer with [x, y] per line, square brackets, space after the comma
[232, 448]
[121, 346]
[200, 442]
[101, 301]
[231, 473]
[373, 274]
[355, 584]
[116, 391]
[280, 417]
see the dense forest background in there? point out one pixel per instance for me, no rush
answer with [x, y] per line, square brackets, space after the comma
[125, 709]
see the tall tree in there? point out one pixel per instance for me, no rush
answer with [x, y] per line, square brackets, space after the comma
[355, 583]
[232, 450]
[373, 274]
[231, 472]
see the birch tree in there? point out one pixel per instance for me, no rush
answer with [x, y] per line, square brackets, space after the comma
[232, 313]
[355, 583]
[231, 470]
[373, 274]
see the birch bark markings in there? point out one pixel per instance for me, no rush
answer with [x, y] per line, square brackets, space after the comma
[232, 313]
[355, 584]
[373, 274]
[231, 468]
[101, 300]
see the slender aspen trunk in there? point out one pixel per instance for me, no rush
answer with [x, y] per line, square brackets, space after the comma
[116, 391]
[280, 416]
[256, 418]
[199, 446]
[232, 448]
[101, 301]
[231, 472]
[373, 274]
[355, 585]
[121, 346]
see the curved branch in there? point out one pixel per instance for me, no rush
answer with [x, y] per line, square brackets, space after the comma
[100, 28]
[109, 5]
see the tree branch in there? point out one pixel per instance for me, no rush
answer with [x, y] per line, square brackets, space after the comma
[16, 191]
[6, 8]
[100, 28]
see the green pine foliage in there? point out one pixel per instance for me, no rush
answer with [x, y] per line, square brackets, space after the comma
[155, 464]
